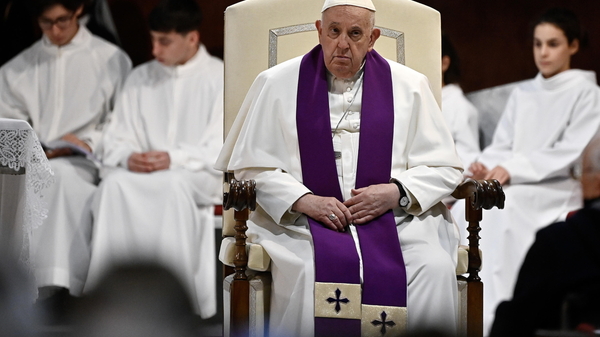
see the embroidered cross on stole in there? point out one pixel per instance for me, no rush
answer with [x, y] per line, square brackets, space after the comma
[344, 307]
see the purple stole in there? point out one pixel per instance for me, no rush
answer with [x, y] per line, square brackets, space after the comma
[342, 307]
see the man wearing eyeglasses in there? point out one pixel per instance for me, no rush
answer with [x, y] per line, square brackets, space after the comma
[64, 85]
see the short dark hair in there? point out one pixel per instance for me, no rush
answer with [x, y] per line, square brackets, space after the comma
[181, 16]
[565, 20]
[38, 7]
[452, 74]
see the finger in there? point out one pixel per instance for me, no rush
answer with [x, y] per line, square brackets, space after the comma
[362, 218]
[135, 168]
[490, 175]
[353, 209]
[357, 199]
[350, 202]
[332, 224]
[503, 179]
[345, 213]
[358, 191]
[340, 220]
[347, 216]
[139, 166]
[136, 156]
[160, 166]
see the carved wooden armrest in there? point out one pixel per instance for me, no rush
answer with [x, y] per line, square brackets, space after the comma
[241, 196]
[479, 195]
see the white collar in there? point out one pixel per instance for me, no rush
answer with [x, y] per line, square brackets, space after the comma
[339, 85]
[565, 78]
[189, 67]
[81, 38]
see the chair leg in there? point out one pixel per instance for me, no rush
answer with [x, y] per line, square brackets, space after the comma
[240, 308]
[475, 286]
[240, 287]
[475, 309]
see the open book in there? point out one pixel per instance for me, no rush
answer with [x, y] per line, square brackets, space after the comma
[67, 148]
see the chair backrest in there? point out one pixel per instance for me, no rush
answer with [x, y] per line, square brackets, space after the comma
[263, 33]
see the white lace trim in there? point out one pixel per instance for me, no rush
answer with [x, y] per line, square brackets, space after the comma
[20, 148]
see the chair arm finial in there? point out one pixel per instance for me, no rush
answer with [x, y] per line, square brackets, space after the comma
[241, 195]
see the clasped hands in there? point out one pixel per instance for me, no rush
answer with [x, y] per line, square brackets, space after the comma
[146, 162]
[480, 171]
[365, 204]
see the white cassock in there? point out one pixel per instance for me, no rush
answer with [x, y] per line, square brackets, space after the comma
[544, 128]
[424, 161]
[462, 119]
[60, 90]
[166, 216]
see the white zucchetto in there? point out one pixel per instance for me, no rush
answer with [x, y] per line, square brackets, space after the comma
[368, 4]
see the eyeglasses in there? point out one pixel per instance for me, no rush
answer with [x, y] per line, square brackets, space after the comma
[61, 22]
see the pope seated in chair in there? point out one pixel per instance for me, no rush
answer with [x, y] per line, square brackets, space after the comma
[351, 158]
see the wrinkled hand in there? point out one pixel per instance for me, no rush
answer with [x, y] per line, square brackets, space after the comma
[478, 171]
[149, 161]
[371, 202]
[499, 173]
[71, 138]
[319, 208]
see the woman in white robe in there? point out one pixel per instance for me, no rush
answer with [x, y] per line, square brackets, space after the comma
[545, 126]
[64, 85]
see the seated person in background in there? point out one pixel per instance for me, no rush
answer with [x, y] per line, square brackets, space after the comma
[460, 115]
[64, 85]
[564, 259]
[353, 139]
[156, 201]
[545, 126]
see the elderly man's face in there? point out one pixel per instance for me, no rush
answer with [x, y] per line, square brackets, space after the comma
[346, 34]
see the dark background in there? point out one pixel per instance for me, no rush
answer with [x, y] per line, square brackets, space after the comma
[493, 38]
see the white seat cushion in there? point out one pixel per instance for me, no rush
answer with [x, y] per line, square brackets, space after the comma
[259, 259]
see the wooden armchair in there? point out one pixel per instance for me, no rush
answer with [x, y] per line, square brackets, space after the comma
[247, 291]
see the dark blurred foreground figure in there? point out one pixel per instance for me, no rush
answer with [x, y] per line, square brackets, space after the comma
[136, 300]
[17, 317]
[559, 282]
